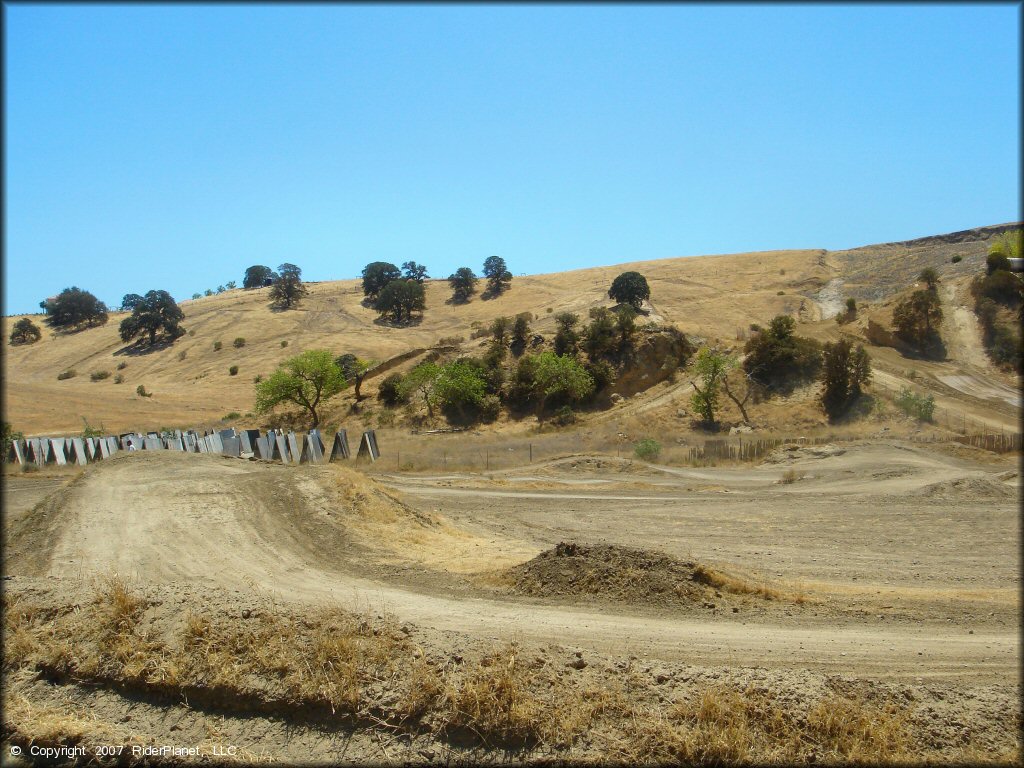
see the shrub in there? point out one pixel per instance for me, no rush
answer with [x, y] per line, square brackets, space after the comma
[778, 360]
[232, 416]
[141, 391]
[790, 476]
[284, 343]
[780, 293]
[919, 406]
[70, 373]
[122, 365]
[257, 379]
[956, 259]
[489, 408]
[564, 416]
[99, 375]
[119, 379]
[192, 332]
[390, 390]
[238, 343]
[233, 370]
[217, 346]
[647, 449]
[182, 354]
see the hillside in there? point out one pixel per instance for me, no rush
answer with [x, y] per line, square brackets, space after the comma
[710, 297]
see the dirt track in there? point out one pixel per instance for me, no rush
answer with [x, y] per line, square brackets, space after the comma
[852, 534]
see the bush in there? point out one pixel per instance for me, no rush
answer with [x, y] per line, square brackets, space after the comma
[119, 379]
[182, 354]
[956, 259]
[284, 343]
[390, 390]
[920, 407]
[232, 416]
[70, 373]
[141, 391]
[217, 346]
[238, 343]
[233, 370]
[122, 365]
[564, 416]
[489, 408]
[99, 375]
[647, 449]
[777, 360]
[257, 379]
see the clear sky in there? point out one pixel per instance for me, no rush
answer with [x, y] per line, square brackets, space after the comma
[171, 147]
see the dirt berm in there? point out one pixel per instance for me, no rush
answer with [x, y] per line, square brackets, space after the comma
[605, 572]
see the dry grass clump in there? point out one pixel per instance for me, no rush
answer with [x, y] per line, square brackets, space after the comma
[713, 578]
[790, 476]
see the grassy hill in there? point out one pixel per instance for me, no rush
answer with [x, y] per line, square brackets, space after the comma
[710, 297]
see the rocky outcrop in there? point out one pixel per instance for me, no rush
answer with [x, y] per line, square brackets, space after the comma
[656, 354]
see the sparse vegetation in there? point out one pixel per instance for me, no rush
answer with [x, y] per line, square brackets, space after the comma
[956, 259]
[233, 370]
[122, 365]
[921, 407]
[182, 354]
[217, 346]
[70, 373]
[25, 332]
[119, 379]
[238, 343]
[141, 391]
[99, 375]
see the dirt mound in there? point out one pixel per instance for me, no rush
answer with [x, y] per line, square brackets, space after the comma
[965, 488]
[597, 465]
[622, 574]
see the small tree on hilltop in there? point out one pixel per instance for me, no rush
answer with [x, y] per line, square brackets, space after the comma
[376, 276]
[73, 308]
[156, 312]
[463, 284]
[258, 276]
[25, 332]
[413, 271]
[711, 366]
[399, 299]
[307, 380]
[498, 277]
[630, 288]
[287, 289]
[845, 371]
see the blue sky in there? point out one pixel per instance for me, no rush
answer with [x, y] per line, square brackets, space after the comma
[171, 147]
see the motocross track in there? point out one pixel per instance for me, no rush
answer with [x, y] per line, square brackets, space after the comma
[897, 550]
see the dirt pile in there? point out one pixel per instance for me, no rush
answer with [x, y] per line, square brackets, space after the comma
[795, 452]
[621, 574]
[966, 488]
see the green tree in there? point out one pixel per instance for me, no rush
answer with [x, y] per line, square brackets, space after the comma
[566, 338]
[376, 276]
[355, 370]
[25, 332]
[414, 271]
[845, 370]
[156, 312]
[461, 388]
[520, 333]
[307, 380]
[422, 380]
[258, 276]
[498, 277]
[599, 338]
[930, 278]
[711, 366]
[630, 288]
[499, 331]
[389, 392]
[399, 299]
[917, 319]
[625, 325]
[72, 308]
[463, 284]
[561, 378]
[287, 289]
[130, 301]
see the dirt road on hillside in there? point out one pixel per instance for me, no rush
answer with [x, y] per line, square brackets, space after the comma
[271, 530]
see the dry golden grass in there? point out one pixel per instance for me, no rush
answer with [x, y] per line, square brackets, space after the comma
[738, 585]
[281, 662]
